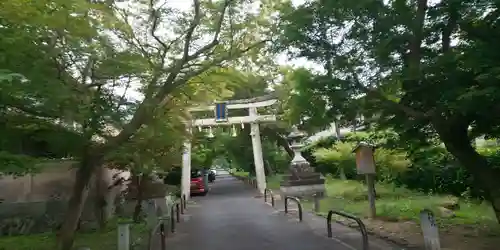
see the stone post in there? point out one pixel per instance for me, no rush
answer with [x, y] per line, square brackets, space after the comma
[123, 237]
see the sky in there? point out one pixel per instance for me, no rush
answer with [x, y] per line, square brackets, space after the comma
[282, 59]
[185, 5]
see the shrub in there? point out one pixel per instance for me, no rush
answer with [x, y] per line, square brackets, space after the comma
[429, 169]
[390, 164]
[340, 158]
[337, 159]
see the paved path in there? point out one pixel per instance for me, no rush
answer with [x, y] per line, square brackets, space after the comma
[230, 217]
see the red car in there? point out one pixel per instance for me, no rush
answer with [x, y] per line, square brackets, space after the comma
[198, 183]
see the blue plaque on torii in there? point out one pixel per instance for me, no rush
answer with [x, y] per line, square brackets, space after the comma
[221, 112]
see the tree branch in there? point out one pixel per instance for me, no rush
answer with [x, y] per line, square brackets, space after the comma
[192, 27]
[13, 104]
[186, 58]
[375, 93]
[215, 39]
[151, 103]
[135, 41]
[450, 26]
[415, 54]
[155, 18]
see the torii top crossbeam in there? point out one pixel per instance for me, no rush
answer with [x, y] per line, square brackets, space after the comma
[251, 104]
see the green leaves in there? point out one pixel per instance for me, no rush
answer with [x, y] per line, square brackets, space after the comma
[8, 76]
[368, 48]
[15, 164]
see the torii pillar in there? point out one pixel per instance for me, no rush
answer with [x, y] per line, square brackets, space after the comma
[257, 151]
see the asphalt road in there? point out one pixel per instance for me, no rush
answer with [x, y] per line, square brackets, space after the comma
[230, 217]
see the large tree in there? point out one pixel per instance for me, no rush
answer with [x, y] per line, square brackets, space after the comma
[427, 68]
[78, 57]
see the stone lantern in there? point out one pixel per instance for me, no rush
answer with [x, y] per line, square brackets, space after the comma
[301, 180]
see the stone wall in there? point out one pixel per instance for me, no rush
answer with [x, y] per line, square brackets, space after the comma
[22, 218]
[55, 181]
[30, 217]
[37, 203]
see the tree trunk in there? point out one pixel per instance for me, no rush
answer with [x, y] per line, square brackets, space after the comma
[342, 174]
[458, 143]
[138, 206]
[339, 139]
[100, 201]
[269, 169]
[284, 143]
[76, 202]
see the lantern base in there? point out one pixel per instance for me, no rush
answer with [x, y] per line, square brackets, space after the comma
[305, 184]
[292, 181]
[302, 190]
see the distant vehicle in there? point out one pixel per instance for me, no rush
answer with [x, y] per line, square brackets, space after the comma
[214, 171]
[211, 175]
[198, 183]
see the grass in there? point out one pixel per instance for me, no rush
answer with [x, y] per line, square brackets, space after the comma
[105, 239]
[273, 182]
[395, 203]
[400, 204]
[239, 173]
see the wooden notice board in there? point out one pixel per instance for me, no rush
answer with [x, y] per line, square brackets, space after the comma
[365, 163]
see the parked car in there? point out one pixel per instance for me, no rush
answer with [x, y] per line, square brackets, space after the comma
[198, 183]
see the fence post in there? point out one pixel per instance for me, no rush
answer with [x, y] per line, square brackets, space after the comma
[317, 199]
[172, 220]
[163, 233]
[177, 211]
[299, 205]
[286, 204]
[266, 193]
[362, 228]
[123, 237]
[184, 201]
[182, 206]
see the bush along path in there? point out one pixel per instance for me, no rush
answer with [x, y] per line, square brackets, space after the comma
[102, 239]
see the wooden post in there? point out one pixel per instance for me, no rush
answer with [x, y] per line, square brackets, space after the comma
[124, 237]
[370, 183]
[365, 165]
[429, 230]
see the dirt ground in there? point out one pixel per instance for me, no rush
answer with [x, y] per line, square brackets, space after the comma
[456, 237]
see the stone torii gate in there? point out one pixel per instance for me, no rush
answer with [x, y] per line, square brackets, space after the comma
[222, 119]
